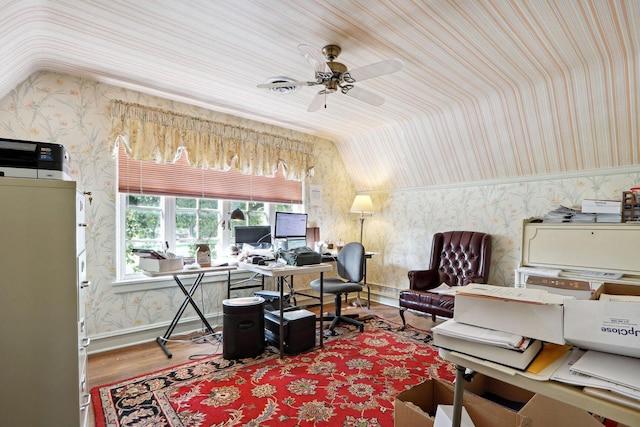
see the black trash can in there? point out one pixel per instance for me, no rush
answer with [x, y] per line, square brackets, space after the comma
[242, 327]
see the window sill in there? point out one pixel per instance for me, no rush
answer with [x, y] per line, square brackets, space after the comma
[144, 283]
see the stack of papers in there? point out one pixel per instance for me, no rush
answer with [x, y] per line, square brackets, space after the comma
[601, 217]
[454, 329]
[565, 214]
[597, 274]
[612, 372]
[540, 271]
[527, 295]
[496, 346]
[620, 298]
[444, 289]
[591, 211]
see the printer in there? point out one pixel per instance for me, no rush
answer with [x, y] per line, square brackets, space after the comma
[28, 159]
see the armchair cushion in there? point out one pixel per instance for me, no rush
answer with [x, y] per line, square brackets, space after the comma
[427, 302]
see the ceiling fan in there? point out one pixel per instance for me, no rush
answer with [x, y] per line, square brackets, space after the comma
[335, 76]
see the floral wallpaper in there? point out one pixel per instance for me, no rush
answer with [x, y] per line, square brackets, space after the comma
[74, 111]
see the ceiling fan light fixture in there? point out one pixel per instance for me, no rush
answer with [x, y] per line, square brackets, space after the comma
[283, 90]
[331, 86]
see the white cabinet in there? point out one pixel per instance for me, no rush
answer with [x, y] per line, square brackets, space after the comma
[577, 248]
[43, 330]
[582, 246]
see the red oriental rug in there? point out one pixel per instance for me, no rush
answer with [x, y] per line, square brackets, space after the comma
[351, 381]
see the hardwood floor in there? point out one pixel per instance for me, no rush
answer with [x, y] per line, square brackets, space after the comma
[117, 365]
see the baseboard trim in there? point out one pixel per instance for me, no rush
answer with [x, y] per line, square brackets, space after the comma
[133, 336]
[144, 334]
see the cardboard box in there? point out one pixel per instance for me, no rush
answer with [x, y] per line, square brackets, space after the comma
[520, 407]
[417, 406]
[540, 321]
[612, 327]
[483, 385]
[548, 412]
[601, 206]
[203, 255]
[159, 265]
[541, 410]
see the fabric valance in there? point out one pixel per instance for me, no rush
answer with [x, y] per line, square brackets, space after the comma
[164, 136]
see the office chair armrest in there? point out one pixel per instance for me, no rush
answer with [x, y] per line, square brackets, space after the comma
[423, 280]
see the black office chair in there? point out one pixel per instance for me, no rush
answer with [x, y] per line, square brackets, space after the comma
[350, 267]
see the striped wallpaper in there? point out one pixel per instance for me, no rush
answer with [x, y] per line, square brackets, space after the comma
[490, 89]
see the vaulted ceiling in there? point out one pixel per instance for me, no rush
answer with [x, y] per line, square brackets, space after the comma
[490, 89]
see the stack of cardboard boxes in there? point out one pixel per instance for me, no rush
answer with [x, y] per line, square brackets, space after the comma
[589, 324]
[417, 406]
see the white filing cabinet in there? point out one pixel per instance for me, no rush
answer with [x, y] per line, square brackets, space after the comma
[43, 280]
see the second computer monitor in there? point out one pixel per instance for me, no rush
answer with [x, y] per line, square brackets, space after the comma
[254, 235]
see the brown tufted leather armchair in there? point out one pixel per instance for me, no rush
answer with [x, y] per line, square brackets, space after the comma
[457, 259]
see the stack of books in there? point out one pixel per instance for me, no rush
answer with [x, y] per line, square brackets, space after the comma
[496, 346]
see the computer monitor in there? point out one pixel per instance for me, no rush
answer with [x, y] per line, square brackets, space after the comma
[254, 235]
[290, 224]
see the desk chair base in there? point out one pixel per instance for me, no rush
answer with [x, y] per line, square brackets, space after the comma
[338, 317]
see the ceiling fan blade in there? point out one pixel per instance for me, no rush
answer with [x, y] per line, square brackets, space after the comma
[285, 84]
[374, 70]
[365, 96]
[318, 101]
[313, 57]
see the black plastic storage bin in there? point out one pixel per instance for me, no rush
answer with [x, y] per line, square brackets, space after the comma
[299, 330]
[242, 327]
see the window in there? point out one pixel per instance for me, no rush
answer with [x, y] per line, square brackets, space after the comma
[178, 206]
[153, 222]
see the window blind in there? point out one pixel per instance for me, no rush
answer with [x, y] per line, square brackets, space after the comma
[181, 179]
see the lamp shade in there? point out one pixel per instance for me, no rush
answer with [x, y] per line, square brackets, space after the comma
[362, 204]
[237, 215]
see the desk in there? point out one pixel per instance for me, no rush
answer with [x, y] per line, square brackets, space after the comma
[290, 271]
[563, 392]
[199, 273]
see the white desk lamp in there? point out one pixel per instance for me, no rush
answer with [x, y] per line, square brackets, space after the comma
[362, 205]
